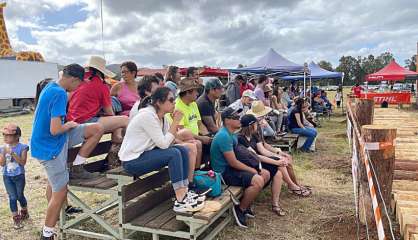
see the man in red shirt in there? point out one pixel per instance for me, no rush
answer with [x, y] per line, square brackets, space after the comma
[92, 96]
[357, 90]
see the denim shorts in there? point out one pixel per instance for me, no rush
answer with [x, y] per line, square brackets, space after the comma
[56, 169]
[93, 120]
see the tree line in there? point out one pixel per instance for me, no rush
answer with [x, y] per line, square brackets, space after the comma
[355, 69]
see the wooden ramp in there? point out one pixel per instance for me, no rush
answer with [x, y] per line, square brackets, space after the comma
[405, 184]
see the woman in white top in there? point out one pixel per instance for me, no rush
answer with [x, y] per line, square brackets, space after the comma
[148, 146]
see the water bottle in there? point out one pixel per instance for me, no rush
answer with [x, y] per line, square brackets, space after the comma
[8, 156]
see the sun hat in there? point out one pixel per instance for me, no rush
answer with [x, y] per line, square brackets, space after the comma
[247, 120]
[258, 109]
[249, 93]
[187, 84]
[267, 88]
[99, 63]
[11, 129]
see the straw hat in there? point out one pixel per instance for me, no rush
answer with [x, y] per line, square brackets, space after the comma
[99, 63]
[267, 88]
[189, 84]
[258, 109]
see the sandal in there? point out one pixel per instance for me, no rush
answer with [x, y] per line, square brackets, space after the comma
[307, 187]
[301, 192]
[278, 210]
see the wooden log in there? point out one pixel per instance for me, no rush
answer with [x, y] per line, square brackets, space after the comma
[364, 111]
[405, 175]
[383, 158]
[406, 165]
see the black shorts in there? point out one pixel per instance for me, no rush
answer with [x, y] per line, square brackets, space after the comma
[238, 178]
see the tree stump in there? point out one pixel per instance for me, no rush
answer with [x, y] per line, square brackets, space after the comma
[380, 143]
[364, 111]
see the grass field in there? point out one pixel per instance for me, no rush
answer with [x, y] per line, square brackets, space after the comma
[329, 213]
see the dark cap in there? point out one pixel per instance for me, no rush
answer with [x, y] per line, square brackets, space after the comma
[213, 83]
[74, 70]
[247, 120]
[230, 113]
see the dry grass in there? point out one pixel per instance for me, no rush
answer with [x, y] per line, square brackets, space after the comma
[328, 214]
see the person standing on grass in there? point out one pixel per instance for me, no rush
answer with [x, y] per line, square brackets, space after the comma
[52, 137]
[235, 173]
[13, 158]
[338, 97]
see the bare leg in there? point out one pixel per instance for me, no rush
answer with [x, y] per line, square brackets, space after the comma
[92, 135]
[55, 203]
[276, 187]
[251, 192]
[192, 158]
[287, 179]
[180, 193]
[291, 173]
[114, 125]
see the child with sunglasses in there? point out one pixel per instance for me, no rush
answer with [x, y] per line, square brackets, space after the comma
[13, 157]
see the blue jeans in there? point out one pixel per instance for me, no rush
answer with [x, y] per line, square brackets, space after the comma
[309, 133]
[176, 157]
[15, 186]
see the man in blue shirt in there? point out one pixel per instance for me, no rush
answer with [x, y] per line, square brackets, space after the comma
[234, 172]
[52, 137]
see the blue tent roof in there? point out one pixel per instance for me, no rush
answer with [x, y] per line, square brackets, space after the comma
[316, 72]
[271, 62]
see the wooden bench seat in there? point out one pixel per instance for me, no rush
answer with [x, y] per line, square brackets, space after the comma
[144, 204]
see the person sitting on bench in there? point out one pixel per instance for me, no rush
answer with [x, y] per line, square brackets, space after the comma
[146, 86]
[148, 146]
[126, 90]
[206, 103]
[273, 160]
[92, 96]
[51, 138]
[298, 125]
[234, 172]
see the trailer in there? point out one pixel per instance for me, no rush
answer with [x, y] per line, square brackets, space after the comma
[18, 80]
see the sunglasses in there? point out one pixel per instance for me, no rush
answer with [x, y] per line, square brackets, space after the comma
[234, 117]
[171, 100]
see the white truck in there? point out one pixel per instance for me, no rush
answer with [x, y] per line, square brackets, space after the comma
[18, 80]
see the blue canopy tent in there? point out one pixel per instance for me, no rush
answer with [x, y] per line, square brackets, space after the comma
[272, 63]
[315, 72]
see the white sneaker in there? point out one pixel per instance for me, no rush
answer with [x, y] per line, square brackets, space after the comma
[198, 197]
[189, 204]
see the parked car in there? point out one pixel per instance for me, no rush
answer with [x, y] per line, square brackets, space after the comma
[331, 88]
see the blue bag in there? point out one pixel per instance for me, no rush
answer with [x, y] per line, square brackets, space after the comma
[205, 180]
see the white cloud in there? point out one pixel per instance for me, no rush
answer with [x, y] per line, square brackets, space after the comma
[221, 33]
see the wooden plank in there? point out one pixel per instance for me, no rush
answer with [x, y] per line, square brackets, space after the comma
[209, 211]
[161, 219]
[109, 183]
[118, 171]
[96, 166]
[149, 201]
[153, 213]
[405, 185]
[101, 148]
[405, 175]
[406, 165]
[141, 186]
[91, 183]
[407, 219]
[174, 225]
[410, 231]
[405, 210]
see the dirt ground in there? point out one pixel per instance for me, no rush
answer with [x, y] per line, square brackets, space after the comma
[328, 214]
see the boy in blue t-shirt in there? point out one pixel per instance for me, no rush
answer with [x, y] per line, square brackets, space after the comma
[13, 157]
[234, 172]
[52, 137]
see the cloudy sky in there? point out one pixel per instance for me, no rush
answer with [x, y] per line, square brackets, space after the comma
[212, 32]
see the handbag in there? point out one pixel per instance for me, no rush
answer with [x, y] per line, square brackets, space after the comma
[205, 180]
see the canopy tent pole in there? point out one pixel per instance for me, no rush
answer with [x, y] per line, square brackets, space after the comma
[342, 93]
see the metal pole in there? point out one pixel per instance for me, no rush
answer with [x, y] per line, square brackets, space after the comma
[101, 18]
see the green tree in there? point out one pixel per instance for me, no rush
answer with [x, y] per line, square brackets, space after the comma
[349, 66]
[384, 59]
[325, 65]
[411, 63]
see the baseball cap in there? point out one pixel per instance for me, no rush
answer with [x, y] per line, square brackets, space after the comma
[247, 120]
[230, 113]
[11, 129]
[213, 83]
[249, 93]
[74, 70]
